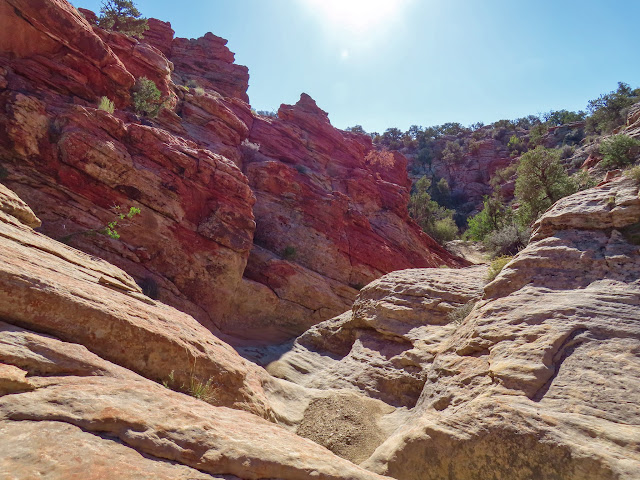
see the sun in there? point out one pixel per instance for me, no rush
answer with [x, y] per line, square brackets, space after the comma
[356, 16]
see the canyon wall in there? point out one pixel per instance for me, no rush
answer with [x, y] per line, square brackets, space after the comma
[259, 227]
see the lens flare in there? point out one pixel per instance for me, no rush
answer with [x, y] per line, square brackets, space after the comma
[356, 16]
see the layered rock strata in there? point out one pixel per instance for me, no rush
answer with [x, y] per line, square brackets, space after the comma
[384, 346]
[537, 381]
[80, 348]
[330, 212]
[533, 379]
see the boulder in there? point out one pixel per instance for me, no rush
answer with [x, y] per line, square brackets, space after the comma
[536, 381]
[385, 345]
[95, 304]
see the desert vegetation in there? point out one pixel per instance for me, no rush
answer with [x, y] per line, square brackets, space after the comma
[545, 151]
[122, 16]
[147, 99]
[106, 105]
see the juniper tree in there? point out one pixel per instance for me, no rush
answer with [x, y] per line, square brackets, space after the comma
[122, 16]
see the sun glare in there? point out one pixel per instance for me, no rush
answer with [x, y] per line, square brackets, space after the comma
[356, 16]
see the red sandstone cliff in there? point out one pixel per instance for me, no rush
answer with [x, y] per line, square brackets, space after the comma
[256, 226]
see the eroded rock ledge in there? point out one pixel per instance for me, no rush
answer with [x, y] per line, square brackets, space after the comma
[82, 355]
[258, 227]
[537, 381]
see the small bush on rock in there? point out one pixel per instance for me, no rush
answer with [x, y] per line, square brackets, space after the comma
[452, 153]
[106, 105]
[289, 252]
[445, 230]
[509, 240]
[542, 181]
[147, 98]
[494, 216]
[205, 391]
[633, 173]
[496, 267]
[433, 218]
[458, 315]
[122, 16]
[110, 229]
[610, 110]
[619, 151]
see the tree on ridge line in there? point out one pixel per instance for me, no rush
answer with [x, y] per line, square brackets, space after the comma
[122, 16]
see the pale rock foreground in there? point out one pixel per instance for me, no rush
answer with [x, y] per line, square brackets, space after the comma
[79, 406]
[385, 344]
[539, 381]
[542, 379]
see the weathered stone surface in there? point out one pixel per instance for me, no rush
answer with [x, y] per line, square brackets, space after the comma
[322, 193]
[537, 381]
[60, 451]
[13, 379]
[56, 289]
[12, 205]
[83, 417]
[330, 203]
[140, 58]
[196, 226]
[159, 35]
[385, 345]
[49, 42]
[208, 61]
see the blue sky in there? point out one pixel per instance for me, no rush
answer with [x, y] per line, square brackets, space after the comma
[386, 63]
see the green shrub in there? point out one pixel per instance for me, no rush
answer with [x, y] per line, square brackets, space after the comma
[110, 229]
[205, 391]
[542, 181]
[441, 192]
[199, 91]
[474, 147]
[619, 151]
[147, 98]
[633, 173]
[434, 219]
[444, 230]
[516, 144]
[508, 240]
[425, 156]
[267, 113]
[106, 105]
[122, 16]
[120, 219]
[610, 110]
[503, 175]
[356, 129]
[499, 133]
[566, 151]
[583, 180]
[562, 117]
[496, 267]
[537, 134]
[458, 315]
[452, 153]
[574, 137]
[494, 216]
